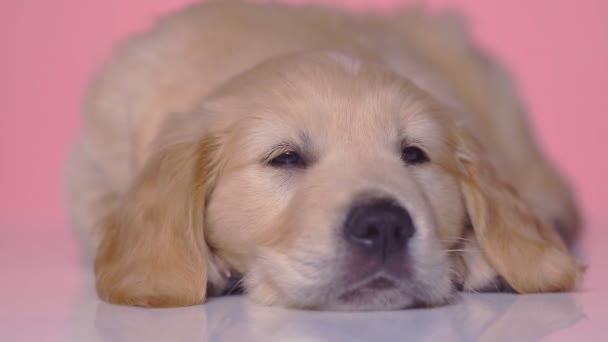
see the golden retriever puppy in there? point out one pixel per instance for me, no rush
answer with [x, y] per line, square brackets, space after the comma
[324, 160]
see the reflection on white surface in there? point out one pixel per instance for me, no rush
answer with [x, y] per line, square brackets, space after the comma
[46, 296]
[487, 317]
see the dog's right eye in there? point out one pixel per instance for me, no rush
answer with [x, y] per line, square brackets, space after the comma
[287, 159]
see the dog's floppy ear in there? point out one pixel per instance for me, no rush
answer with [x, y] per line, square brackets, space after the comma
[523, 249]
[153, 251]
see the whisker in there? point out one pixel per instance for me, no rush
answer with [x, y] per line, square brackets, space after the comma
[456, 250]
[454, 272]
[235, 287]
[470, 289]
[495, 285]
[457, 239]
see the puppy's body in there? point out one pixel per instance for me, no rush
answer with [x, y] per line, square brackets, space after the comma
[220, 56]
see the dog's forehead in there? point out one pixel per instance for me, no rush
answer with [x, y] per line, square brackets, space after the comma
[345, 114]
[331, 102]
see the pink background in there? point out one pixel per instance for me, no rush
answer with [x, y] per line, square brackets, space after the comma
[558, 50]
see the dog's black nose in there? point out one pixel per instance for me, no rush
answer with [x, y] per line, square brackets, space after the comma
[381, 227]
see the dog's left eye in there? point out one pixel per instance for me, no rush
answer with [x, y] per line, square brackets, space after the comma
[413, 155]
[288, 159]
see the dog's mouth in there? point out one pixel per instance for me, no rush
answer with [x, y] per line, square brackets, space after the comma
[380, 283]
[367, 287]
[386, 291]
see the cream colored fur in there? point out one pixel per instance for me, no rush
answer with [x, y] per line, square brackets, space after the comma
[167, 186]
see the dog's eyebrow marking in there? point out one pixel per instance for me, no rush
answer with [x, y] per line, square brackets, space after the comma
[407, 141]
[305, 138]
[287, 145]
[283, 145]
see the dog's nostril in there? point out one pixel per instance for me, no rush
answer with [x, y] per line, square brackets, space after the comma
[379, 226]
[399, 233]
[365, 232]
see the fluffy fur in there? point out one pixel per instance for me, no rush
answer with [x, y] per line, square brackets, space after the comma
[171, 192]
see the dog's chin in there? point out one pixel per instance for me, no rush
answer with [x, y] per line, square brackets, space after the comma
[381, 294]
[376, 293]
[370, 299]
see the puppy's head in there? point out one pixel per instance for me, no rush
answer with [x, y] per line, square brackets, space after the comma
[326, 183]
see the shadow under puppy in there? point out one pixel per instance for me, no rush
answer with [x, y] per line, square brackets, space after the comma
[333, 161]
